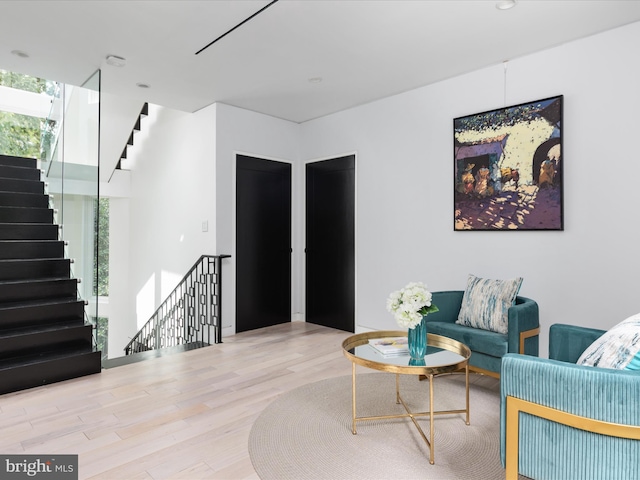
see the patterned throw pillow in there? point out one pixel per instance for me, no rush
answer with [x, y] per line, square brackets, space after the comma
[486, 302]
[618, 348]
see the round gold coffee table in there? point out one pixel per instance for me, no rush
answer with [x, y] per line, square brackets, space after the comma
[444, 355]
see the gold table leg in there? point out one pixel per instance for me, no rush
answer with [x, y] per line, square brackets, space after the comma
[466, 381]
[431, 422]
[412, 416]
[431, 413]
[353, 398]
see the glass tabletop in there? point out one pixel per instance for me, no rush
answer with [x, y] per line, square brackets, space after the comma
[435, 357]
[443, 354]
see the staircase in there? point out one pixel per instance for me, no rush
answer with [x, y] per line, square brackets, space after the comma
[136, 128]
[43, 336]
[189, 313]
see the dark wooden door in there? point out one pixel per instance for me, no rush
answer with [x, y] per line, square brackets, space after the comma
[263, 243]
[330, 243]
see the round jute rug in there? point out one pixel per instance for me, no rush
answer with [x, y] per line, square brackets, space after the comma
[305, 434]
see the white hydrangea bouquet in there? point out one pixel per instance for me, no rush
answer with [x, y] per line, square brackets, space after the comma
[410, 304]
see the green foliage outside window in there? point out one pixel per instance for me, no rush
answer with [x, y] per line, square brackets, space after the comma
[28, 83]
[101, 270]
[101, 335]
[20, 135]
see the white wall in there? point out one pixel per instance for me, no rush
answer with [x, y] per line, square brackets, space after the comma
[172, 194]
[122, 321]
[584, 275]
[183, 165]
[262, 136]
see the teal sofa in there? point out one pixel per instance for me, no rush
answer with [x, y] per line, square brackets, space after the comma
[487, 348]
[563, 421]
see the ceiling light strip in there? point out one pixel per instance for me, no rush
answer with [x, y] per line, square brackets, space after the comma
[238, 25]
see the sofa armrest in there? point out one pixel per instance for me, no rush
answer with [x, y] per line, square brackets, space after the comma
[524, 321]
[567, 342]
[550, 449]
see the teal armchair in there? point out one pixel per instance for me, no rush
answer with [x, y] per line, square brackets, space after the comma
[564, 421]
[487, 348]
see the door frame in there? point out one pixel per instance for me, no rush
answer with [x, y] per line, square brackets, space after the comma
[355, 229]
[234, 212]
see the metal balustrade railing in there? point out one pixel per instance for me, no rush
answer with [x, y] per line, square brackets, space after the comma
[190, 312]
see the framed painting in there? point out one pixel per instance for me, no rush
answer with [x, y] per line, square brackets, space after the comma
[508, 168]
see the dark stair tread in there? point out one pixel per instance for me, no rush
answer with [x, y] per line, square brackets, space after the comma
[26, 215]
[35, 280]
[24, 261]
[42, 322]
[24, 165]
[38, 303]
[20, 185]
[19, 199]
[42, 357]
[18, 161]
[21, 208]
[31, 260]
[26, 241]
[32, 268]
[49, 288]
[38, 329]
[26, 341]
[28, 231]
[17, 315]
[49, 371]
[19, 172]
[8, 224]
[14, 249]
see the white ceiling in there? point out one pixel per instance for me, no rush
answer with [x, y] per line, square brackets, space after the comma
[362, 50]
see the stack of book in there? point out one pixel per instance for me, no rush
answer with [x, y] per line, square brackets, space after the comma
[391, 346]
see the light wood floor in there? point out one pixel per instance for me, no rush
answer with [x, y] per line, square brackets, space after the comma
[182, 416]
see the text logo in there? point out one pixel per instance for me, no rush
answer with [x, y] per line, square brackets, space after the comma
[49, 467]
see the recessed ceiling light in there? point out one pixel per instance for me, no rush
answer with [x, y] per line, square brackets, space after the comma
[143, 85]
[20, 53]
[116, 61]
[506, 4]
[315, 80]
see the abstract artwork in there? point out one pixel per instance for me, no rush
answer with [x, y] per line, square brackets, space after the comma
[508, 168]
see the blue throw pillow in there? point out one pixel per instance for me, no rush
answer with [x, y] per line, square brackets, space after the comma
[618, 348]
[486, 303]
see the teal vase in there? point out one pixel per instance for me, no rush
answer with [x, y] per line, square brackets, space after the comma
[417, 362]
[417, 340]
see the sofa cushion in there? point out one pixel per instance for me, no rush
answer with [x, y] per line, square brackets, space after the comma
[486, 302]
[483, 341]
[618, 348]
